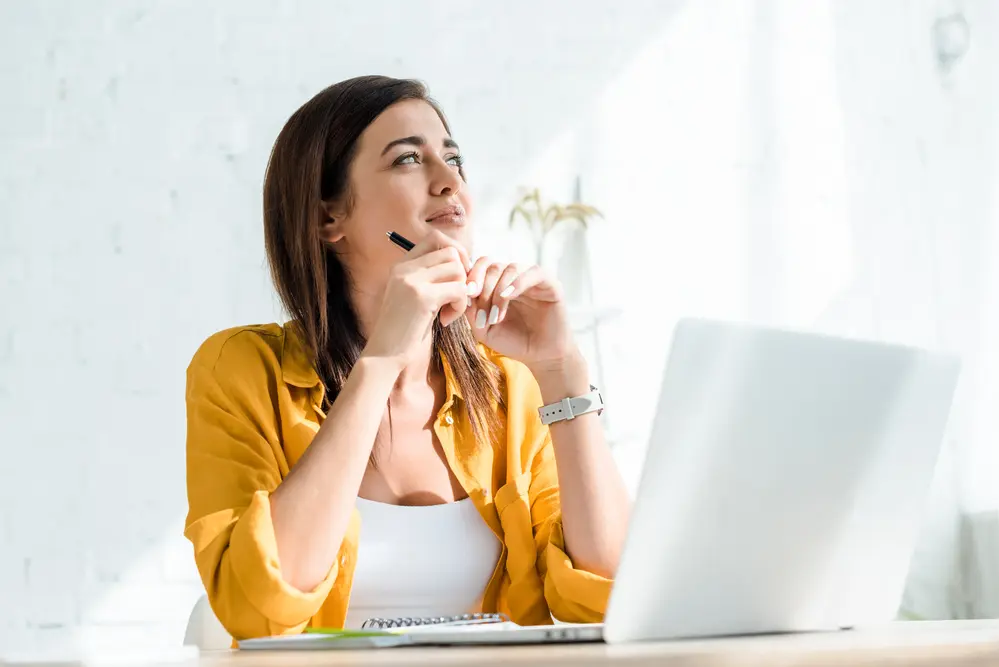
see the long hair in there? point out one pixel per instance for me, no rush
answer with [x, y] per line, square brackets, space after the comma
[309, 164]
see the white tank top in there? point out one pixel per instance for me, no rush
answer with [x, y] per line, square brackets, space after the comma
[417, 561]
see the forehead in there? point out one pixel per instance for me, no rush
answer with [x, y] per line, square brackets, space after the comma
[408, 118]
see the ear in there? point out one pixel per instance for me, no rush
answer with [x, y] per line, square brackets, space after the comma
[332, 222]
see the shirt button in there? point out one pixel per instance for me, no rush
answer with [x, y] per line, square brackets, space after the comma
[448, 419]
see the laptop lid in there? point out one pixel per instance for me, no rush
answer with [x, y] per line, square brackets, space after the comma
[783, 486]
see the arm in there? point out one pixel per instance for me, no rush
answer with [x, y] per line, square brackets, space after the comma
[578, 504]
[235, 466]
[594, 501]
[266, 539]
[528, 322]
[328, 476]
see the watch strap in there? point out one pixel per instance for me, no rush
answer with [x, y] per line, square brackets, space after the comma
[570, 408]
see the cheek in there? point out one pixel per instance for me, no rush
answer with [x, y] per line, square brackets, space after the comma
[379, 206]
[394, 199]
[467, 201]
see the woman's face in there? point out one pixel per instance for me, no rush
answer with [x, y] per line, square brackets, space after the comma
[404, 178]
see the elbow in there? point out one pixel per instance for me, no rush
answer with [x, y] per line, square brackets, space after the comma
[603, 562]
[303, 583]
[599, 552]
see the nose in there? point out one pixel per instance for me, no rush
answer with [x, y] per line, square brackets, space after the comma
[445, 181]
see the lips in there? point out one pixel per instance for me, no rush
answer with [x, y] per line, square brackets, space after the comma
[449, 215]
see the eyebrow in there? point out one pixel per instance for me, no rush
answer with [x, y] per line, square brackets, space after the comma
[417, 141]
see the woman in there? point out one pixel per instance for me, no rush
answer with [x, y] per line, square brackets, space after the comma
[384, 447]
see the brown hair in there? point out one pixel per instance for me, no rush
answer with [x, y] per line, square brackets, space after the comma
[310, 164]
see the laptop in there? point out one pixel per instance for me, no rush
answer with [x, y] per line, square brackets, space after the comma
[783, 488]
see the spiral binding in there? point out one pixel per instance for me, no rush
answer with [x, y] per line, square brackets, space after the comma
[406, 622]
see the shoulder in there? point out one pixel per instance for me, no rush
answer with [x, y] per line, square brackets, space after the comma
[240, 351]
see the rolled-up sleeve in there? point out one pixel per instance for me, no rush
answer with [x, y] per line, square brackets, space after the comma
[233, 463]
[573, 595]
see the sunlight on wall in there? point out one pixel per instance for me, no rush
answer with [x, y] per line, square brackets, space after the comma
[980, 491]
[789, 163]
[812, 239]
[718, 158]
[666, 155]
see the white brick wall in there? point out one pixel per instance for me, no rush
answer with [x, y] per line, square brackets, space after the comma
[133, 138]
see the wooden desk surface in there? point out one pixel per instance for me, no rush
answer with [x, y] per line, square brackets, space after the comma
[950, 644]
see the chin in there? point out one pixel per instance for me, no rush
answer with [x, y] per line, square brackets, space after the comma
[459, 232]
[462, 236]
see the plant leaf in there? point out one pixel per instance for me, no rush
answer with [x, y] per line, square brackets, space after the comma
[584, 210]
[522, 212]
[542, 219]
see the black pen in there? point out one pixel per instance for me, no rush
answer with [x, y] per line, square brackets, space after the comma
[401, 241]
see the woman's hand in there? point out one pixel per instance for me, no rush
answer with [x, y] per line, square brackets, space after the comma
[430, 283]
[519, 312]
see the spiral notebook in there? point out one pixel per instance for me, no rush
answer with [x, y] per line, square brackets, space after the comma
[385, 633]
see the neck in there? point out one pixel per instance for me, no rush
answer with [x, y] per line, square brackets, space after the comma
[367, 305]
[417, 372]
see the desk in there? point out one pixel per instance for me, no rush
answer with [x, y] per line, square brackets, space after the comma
[944, 644]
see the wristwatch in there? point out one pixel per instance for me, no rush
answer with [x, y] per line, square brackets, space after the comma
[570, 408]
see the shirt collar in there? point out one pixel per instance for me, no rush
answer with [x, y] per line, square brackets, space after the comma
[296, 363]
[297, 367]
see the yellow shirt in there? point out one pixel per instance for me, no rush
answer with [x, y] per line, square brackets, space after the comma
[253, 407]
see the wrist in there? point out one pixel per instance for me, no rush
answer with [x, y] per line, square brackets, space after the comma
[387, 368]
[564, 377]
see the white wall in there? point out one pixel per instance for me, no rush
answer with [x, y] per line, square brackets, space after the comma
[134, 138]
[801, 163]
[813, 164]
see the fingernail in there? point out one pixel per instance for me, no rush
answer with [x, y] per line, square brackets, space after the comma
[471, 287]
[469, 302]
[480, 319]
[493, 315]
[507, 292]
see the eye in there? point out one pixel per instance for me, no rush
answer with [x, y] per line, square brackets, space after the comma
[455, 160]
[407, 158]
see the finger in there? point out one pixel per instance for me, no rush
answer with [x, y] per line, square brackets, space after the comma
[503, 291]
[440, 273]
[436, 240]
[485, 315]
[452, 300]
[476, 276]
[434, 258]
[536, 283]
[466, 260]
[527, 280]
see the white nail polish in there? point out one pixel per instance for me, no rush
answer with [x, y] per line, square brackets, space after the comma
[480, 319]
[471, 287]
[493, 315]
[469, 302]
[507, 292]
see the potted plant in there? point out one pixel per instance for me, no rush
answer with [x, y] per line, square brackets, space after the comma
[541, 219]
